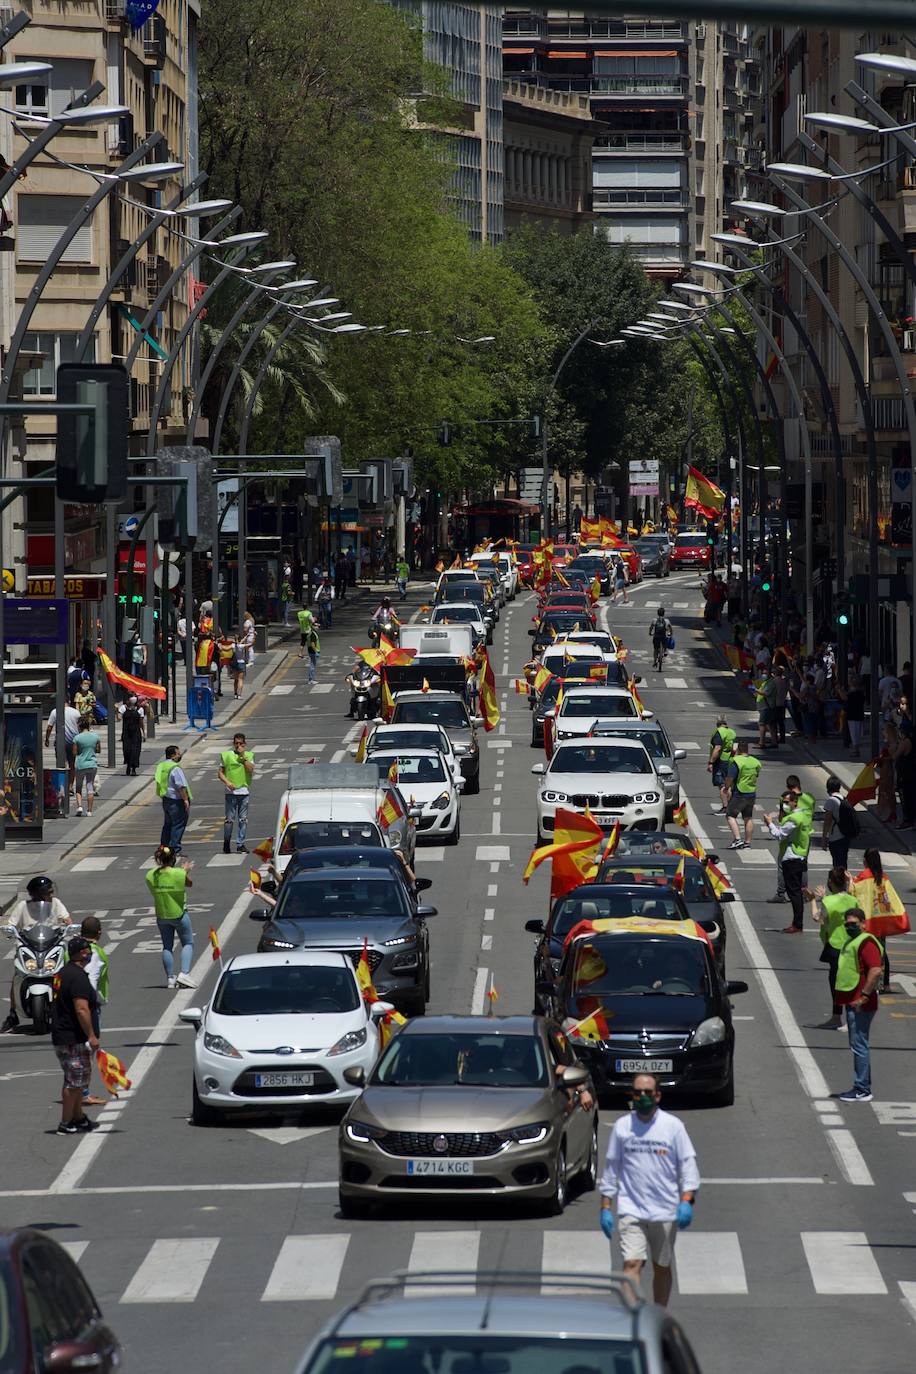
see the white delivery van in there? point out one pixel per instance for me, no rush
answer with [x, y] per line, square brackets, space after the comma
[339, 803]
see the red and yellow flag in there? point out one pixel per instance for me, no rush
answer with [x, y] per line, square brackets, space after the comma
[364, 975]
[678, 881]
[440, 566]
[738, 659]
[393, 773]
[885, 913]
[593, 1027]
[634, 693]
[541, 678]
[573, 833]
[265, 850]
[254, 879]
[387, 698]
[284, 819]
[214, 938]
[594, 590]
[717, 878]
[703, 495]
[680, 815]
[489, 707]
[492, 996]
[425, 686]
[610, 845]
[521, 687]
[389, 810]
[361, 747]
[111, 1071]
[138, 685]
[865, 787]
[387, 1024]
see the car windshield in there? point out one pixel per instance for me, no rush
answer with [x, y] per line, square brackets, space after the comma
[654, 740]
[480, 1353]
[450, 714]
[313, 834]
[600, 641]
[335, 898]
[286, 990]
[559, 622]
[647, 546]
[467, 591]
[691, 541]
[695, 889]
[389, 740]
[652, 842]
[482, 1059]
[633, 966]
[585, 707]
[658, 904]
[413, 768]
[586, 758]
[460, 615]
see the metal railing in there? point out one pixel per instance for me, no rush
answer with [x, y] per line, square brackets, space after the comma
[670, 141]
[673, 199]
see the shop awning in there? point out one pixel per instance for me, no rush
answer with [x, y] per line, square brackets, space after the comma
[518, 52]
[565, 52]
[635, 52]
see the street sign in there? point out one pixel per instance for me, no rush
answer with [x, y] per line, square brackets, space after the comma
[644, 489]
[77, 588]
[9, 579]
[127, 526]
[645, 466]
[174, 575]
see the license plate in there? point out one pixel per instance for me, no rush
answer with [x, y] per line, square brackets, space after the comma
[645, 1065]
[605, 820]
[448, 1167]
[284, 1080]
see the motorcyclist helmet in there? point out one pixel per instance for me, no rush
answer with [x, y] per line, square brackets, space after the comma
[40, 889]
[386, 602]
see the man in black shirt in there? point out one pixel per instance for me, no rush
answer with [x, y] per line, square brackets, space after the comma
[73, 1021]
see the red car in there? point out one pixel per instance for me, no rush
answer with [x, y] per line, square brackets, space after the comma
[633, 560]
[570, 601]
[563, 553]
[691, 551]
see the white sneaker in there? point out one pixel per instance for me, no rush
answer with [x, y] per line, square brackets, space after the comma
[171, 983]
[183, 981]
[79, 810]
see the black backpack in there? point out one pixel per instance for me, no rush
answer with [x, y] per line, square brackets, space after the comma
[847, 821]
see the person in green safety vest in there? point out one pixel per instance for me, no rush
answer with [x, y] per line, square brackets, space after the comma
[794, 835]
[741, 785]
[857, 977]
[835, 900]
[97, 973]
[173, 791]
[306, 624]
[721, 750]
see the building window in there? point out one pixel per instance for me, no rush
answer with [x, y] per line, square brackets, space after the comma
[57, 349]
[58, 88]
[42, 220]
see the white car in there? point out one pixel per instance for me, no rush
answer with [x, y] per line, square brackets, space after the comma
[507, 569]
[461, 613]
[429, 785]
[402, 738]
[279, 1032]
[615, 780]
[582, 706]
[605, 643]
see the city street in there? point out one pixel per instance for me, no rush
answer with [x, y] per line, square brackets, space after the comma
[224, 1245]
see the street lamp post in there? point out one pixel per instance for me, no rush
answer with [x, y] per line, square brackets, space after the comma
[545, 461]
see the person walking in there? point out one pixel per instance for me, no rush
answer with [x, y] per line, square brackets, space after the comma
[651, 1172]
[402, 574]
[238, 665]
[779, 692]
[236, 769]
[97, 973]
[828, 910]
[841, 824]
[88, 746]
[306, 624]
[620, 582]
[168, 882]
[313, 649]
[173, 790]
[794, 835]
[71, 729]
[133, 733]
[741, 784]
[324, 599]
[286, 597]
[73, 1034]
[857, 977]
[249, 634]
[853, 698]
[721, 749]
[138, 656]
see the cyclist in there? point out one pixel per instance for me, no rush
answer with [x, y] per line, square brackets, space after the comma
[661, 632]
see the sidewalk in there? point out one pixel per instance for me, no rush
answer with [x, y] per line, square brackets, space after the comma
[833, 759]
[23, 858]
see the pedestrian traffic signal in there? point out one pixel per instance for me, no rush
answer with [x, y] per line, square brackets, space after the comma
[712, 534]
[841, 609]
[766, 585]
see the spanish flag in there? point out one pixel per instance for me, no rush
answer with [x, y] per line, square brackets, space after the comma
[680, 815]
[138, 685]
[885, 913]
[865, 787]
[387, 698]
[364, 975]
[284, 819]
[393, 773]
[492, 996]
[703, 495]
[717, 878]
[389, 811]
[611, 843]
[563, 581]
[489, 708]
[636, 697]
[573, 833]
[214, 938]
[593, 1027]
[440, 566]
[361, 747]
[265, 850]
[111, 1071]
[677, 882]
[387, 1024]
[521, 687]
[595, 588]
[738, 659]
[425, 686]
[541, 678]
[589, 530]
[598, 672]
[373, 657]
[254, 880]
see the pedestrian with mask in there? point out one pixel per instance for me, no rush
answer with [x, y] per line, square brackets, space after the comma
[794, 835]
[835, 900]
[857, 977]
[168, 882]
[841, 824]
[787, 802]
[741, 784]
[236, 769]
[73, 1034]
[721, 748]
[133, 733]
[173, 790]
[651, 1172]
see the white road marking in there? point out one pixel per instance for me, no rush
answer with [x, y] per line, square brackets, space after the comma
[689, 744]
[172, 1271]
[339, 755]
[675, 682]
[307, 1268]
[849, 1157]
[462, 1248]
[321, 687]
[267, 748]
[478, 997]
[96, 863]
[573, 1252]
[492, 890]
[74, 1248]
[497, 823]
[486, 942]
[489, 913]
[311, 748]
[288, 1135]
[759, 857]
[908, 1294]
[227, 860]
[841, 1262]
[493, 853]
[710, 1262]
[283, 690]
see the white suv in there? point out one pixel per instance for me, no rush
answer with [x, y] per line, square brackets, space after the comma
[583, 705]
[615, 780]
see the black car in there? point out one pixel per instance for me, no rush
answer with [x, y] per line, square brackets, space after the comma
[590, 564]
[354, 856]
[49, 1318]
[657, 842]
[662, 1003]
[339, 909]
[699, 895]
[555, 624]
[655, 555]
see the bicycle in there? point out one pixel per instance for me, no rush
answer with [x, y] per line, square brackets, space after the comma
[659, 652]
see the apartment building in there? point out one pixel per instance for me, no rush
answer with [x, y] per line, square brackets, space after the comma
[804, 71]
[548, 138]
[672, 97]
[151, 71]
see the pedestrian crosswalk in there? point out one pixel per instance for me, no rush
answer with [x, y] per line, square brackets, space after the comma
[324, 1267]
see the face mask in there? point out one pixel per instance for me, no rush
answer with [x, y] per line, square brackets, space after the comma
[852, 929]
[643, 1104]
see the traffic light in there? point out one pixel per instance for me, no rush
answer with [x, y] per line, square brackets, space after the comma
[841, 609]
[712, 534]
[92, 449]
[767, 584]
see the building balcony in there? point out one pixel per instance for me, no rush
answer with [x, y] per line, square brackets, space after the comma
[651, 141]
[632, 84]
[651, 198]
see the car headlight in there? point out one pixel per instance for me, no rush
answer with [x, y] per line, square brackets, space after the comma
[709, 1032]
[407, 960]
[217, 1044]
[362, 1131]
[395, 837]
[400, 940]
[442, 802]
[646, 797]
[564, 734]
[353, 1040]
[30, 965]
[271, 943]
[529, 1135]
[553, 797]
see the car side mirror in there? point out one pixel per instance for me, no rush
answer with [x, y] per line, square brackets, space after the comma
[262, 914]
[191, 1016]
[678, 753]
[733, 988]
[379, 1009]
[573, 1076]
[538, 768]
[477, 720]
[532, 633]
[664, 770]
[713, 858]
[63, 1356]
[415, 812]
[726, 896]
[355, 1075]
[638, 678]
[378, 720]
[535, 927]
[647, 715]
[423, 884]
[424, 911]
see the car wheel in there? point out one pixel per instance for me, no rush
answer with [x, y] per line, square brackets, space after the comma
[201, 1113]
[351, 1208]
[556, 1203]
[472, 786]
[588, 1179]
[455, 836]
[725, 1096]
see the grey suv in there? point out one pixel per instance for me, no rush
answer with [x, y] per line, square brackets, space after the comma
[339, 908]
[661, 751]
[503, 1321]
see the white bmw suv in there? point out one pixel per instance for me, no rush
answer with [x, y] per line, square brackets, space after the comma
[614, 779]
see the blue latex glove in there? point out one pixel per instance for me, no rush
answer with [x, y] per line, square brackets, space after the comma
[607, 1222]
[684, 1215]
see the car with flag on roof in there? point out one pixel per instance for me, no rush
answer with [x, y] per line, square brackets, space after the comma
[645, 996]
[615, 780]
[702, 887]
[597, 672]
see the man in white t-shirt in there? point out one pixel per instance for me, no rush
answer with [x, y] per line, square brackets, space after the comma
[889, 694]
[651, 1169]
[71, 730]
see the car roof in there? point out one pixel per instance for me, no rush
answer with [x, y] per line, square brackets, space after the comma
[417, 693]
[325, 875]
[505, 1025]
[455, 606]
[415, 753]
[603, 689]
[432, 726]
[592, 743]
[497, 1314]
[634, 725]
[322, 958]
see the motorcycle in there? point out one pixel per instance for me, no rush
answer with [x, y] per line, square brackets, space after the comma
[38, 958]
[365, 694]
[388, 628]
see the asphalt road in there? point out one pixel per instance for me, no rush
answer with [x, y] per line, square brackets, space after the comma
[224, 1245]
